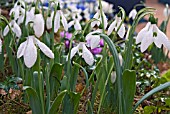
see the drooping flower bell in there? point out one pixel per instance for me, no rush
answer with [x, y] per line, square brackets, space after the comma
[115, 25]
[17, 9]
[98, 16]
[49, 20]
[60, 16]
[15, 28]
[38, 24]
[133, 14]
[86, 54]
[76, 24]
[93, 39]
[30, 15]
[29, 50]
[151, 33]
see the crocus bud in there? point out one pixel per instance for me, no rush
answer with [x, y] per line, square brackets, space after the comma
[62, 34]
[67, 43]
[96, 51]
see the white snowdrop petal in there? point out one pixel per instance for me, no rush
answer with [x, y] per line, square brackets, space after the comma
[16, 29]
[45, 49]
[122, 31]
[6, 30]
[111, 27]
[71, 23]
[64, 22]
[30, 55]
[96, 16]
[49, 21]
[133, 14]
[87, 56]
[148, 40]
[77, 25]
[30, 15]
[21, 49]
[94, 42]
[57, 22]
[38, 25]
[105, 21]
[161, 38]
[74, 51]
[140, 35]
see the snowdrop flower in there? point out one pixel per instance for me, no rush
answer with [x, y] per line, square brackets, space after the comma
[15, 28]
[149, 34]
[133, 14]
[38, 25]
[115, 25]
[86, 54]
[93, 40]
[59, 15]
[76, 24]
[30, 15]
[0, 46]
[28, 50]
[99, 19]
[49, 20]
[17, 9]
[107, 8]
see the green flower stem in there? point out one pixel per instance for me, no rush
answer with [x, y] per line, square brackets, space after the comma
[47, 88]
[128, 50]
[40, 81]
[101, 13]
[104, 89]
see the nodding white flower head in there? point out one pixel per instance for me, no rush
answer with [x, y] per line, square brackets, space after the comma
[107, 8]
[38, 25]
[29, 51]
[86, 54]
[30, 15]
[115, 25]
[0, 46]
[59, 15]
[76, 24]
[133, 14]
[99, 18]
[149, 34]
[18, 9]
[49, 20]
[15, 28]
[166, 11]
[92, 39]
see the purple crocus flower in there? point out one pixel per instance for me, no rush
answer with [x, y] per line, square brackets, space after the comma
[96, 50]
[68, 35]
[101, 43]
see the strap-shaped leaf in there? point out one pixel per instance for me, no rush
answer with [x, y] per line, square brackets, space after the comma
[155, 90]
[56, 102]
[129, 88]
[33, 100]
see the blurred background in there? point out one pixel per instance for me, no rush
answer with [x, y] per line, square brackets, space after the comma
[5, 6]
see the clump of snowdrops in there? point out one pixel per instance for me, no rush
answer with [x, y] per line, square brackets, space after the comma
[50, 66]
